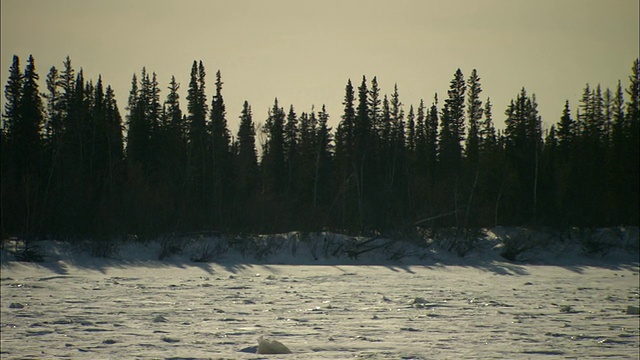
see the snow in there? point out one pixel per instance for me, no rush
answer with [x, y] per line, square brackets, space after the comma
[425, 304]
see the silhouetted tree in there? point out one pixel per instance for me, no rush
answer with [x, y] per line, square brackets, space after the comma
[523, 143]
[222, 175]
[246, 168]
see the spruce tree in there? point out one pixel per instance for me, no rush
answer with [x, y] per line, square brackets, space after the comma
[566, 131]
[198, 146]
[247, 154]
[523, 137]
[323, 164]
[222, 168]
[487, 131]
[13, 94]
[291, 149]
[66, 83]
[452, 124]
[411, 131]
[10, 181]
[633, 147]
[53, 128]
[432, 145]
[373, 106]
[27, 148]
[29, 122]
[474, 115]
[273, 158]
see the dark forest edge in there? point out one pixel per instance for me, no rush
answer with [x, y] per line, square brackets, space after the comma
[443, 246]
[74, 168]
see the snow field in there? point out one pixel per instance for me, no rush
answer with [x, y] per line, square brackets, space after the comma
[326, 296]
[167, 311]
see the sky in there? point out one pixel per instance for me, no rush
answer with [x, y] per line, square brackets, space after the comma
[303, 52]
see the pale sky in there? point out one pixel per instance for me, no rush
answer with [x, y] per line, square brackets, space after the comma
[303, 52]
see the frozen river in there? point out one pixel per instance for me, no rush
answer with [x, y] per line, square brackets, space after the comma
[158, 310]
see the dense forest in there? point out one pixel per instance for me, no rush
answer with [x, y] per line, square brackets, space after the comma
[74, 166]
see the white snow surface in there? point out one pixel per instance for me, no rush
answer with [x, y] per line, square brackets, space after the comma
[398, 300]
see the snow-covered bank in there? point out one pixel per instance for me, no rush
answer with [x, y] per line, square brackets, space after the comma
[445, 246]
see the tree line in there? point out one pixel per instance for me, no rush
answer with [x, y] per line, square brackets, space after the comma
[74, 167]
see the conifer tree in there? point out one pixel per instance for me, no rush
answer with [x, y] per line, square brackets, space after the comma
[10, 181]
[222, 168]
[27, 148]
[13, 94]
[66, 83]
[398, 138]
[452, 124]
[273, 159]
[523, 137]
[346, 129]
[29, 122]
[633, 147]
[474, 115]
[431, 137]
[140, 125]
[323, 163]
[53, 128]
[198, 146]
[566, 130]
[487, 131]
[344, 156]
[247, 154]
[633, 106]
[291, 149]
[362, 125]
[411, 131]
[373, 106]
[420, 141]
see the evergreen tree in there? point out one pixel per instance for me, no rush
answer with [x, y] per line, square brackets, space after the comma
[66, 83]
[113, 122]
[472, 144]
[26, 130]
[432, 124]
[323, 165]
[452, 124]
[373, 106]
[247, 154]
[411, 131]
[222, 169]
[13, 95]
[633, 148]
[362, 150]
[362, 125]
[53, 141]
[139, 125]
[397, 139]
[633, 106]
[291, 149]
[420, 141]
[346, 129]
[198, 149]
[474, 115]
[487, 131]
[27, 148]
[566, 128]
[273, 159]
[10, 181]
[344, 157]
[523, 137]
[53, 128]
